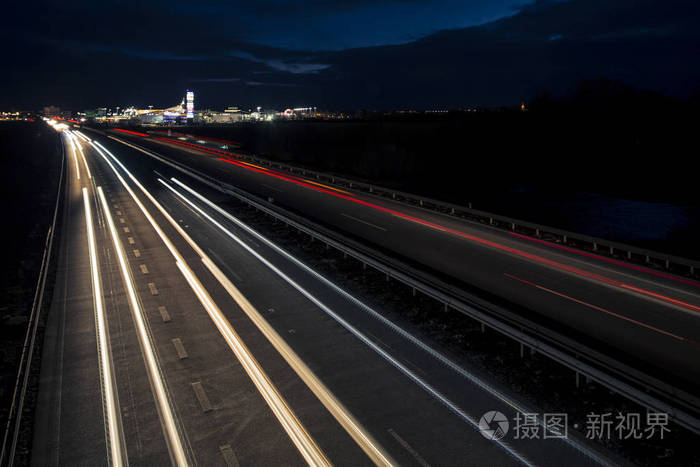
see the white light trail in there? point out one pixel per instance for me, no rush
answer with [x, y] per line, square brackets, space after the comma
[349, 327]
[82, 154]
[378, 316]
[170, 427]
[82, 136]
[108, 382]
[306, 446]
[440, 357]
[371, 311]
[75, 157]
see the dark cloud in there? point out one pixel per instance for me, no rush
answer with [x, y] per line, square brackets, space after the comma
[282, 64]
[85, 54]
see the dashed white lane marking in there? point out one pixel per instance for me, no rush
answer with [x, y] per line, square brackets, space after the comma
[144, 268]
[229, 456]
[363, 222]
[271, 187]
[201, 396]
[298, 434]
[164, 314]
[408, 448]
[126, 229]
[121, 220]
[153, 289]
[137, 253]
[131, 240]
[179, 348]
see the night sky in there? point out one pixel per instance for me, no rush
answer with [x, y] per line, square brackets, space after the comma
[340, 54]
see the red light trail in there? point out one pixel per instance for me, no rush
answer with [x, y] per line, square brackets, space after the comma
[483, 241]
[604, 310]
[474, 238]
[609, 260]
[130, 132]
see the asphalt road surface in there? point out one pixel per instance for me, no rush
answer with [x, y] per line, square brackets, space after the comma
[644, 317]
[178, 334]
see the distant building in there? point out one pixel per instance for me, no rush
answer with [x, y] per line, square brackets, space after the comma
[190, 105]
[51, 111]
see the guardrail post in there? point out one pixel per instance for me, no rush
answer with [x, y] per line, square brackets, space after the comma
[537, 232]
[595, 246]
[452, 211]
[564, 239]
[629, 255]
[646, 258]
[512, 226]
[668, 263]
[420, 202]
[393, 195]
[350, 184]
[692, 270]
[470, 205]
[611, 250]
[370, 188]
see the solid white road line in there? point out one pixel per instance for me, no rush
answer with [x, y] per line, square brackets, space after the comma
[108, 383]
[147, 348]
[306, 446]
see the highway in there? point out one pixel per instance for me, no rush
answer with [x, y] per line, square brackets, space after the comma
[648, 319]
[178, 334]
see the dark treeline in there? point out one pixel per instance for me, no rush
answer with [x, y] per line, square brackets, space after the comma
[603, 138]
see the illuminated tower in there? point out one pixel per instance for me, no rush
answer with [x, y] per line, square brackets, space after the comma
[190, 105]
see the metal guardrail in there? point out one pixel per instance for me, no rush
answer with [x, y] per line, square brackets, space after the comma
[649, 258]
[573, 239]
[643, 389]
[14, 416]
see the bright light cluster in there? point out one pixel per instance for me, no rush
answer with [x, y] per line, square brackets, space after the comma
[56, 125]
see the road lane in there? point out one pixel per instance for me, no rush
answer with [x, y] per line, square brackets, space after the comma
[395, 402]
[70, 424]
[297, 432]
[69, 427]
[478, 257]
[115, 435]
[175, 444]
